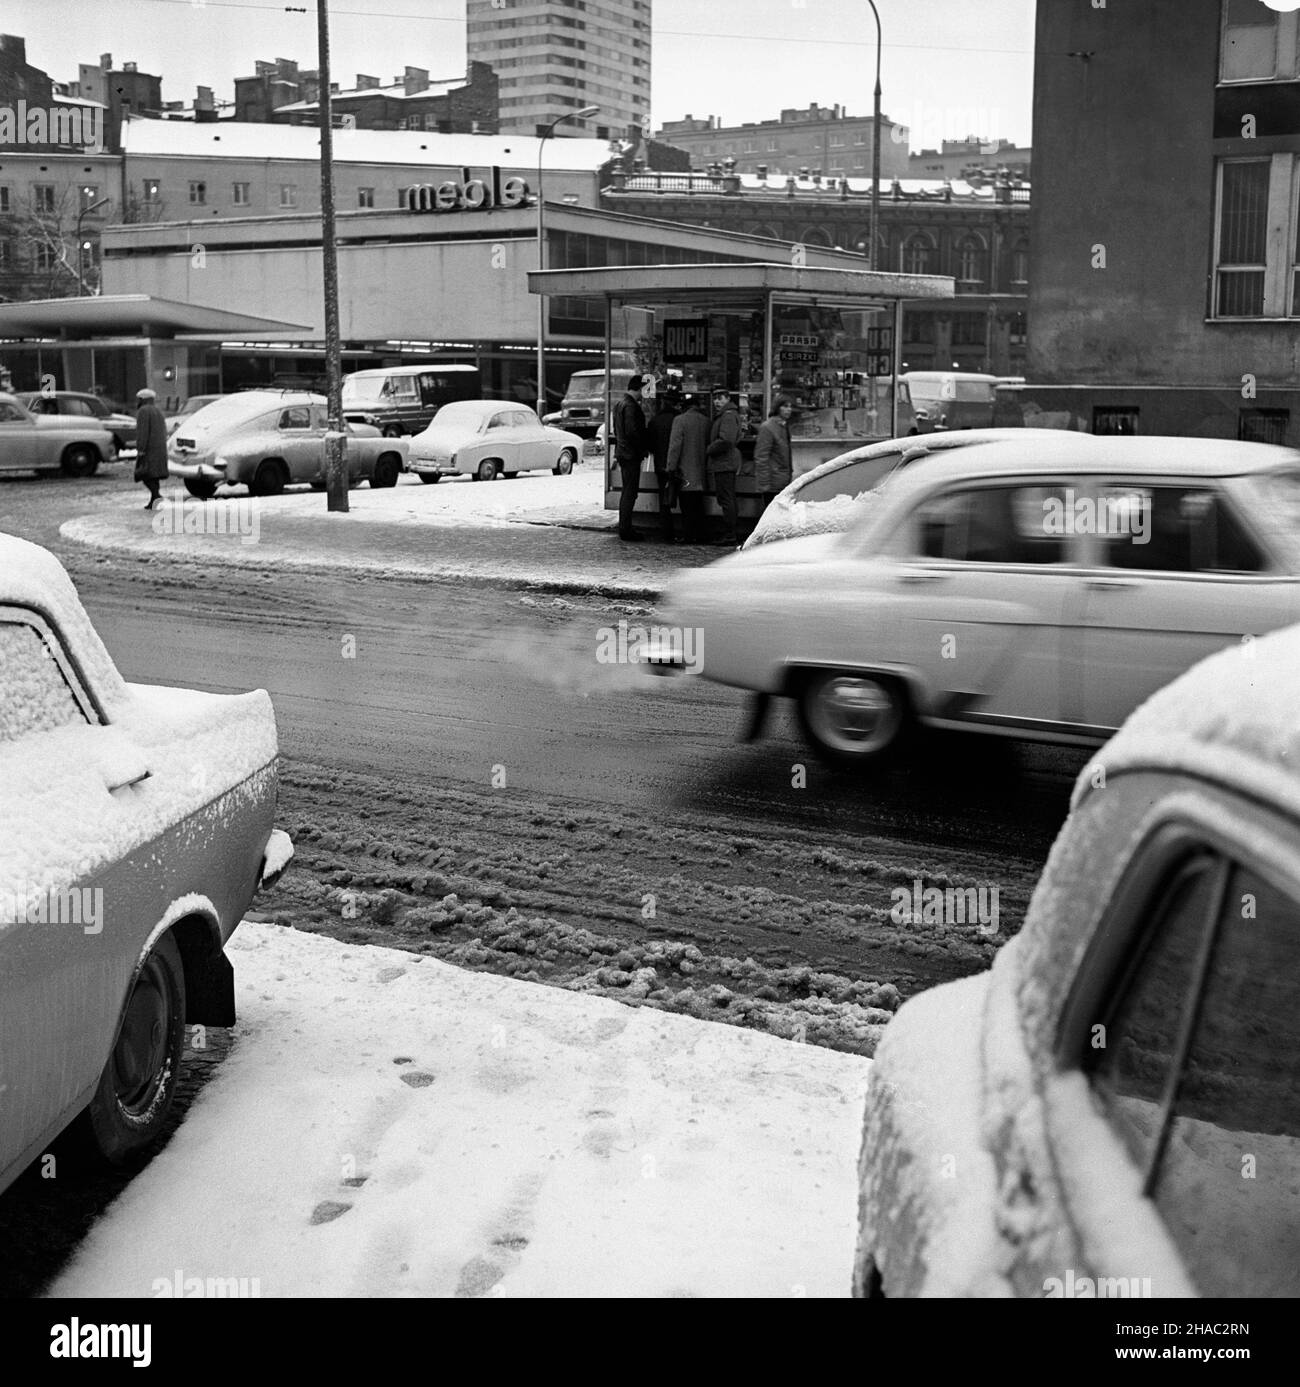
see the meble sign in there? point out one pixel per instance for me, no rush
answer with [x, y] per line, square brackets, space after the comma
[467, 194]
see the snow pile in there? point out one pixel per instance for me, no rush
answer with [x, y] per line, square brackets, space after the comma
[391, 1126]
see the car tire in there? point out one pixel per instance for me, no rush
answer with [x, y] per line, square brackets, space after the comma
[429, 478]
[488, 470]
[564, 465]
[269, 479]
[388, 467]
[201, 487]
[79, 460]
[139, 1082]
[853, 719]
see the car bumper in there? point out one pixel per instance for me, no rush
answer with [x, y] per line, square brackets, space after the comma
[442, 466]
[195, 469]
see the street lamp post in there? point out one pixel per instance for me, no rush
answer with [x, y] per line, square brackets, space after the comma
[81, 258]
[541, 252]
[875, 148]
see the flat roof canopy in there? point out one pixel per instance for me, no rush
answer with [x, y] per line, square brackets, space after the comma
[118, 315]
[720, 283]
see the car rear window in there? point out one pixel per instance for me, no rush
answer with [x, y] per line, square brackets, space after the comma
[850, 480]
[34, 696]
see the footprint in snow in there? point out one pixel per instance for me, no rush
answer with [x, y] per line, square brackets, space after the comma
[417, 1078]
[328, 1210]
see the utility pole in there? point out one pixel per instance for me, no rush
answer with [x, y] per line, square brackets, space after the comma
[336, 471]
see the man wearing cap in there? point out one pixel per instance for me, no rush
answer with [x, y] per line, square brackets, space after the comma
[724, 462]
[150, 445]
[631, 444]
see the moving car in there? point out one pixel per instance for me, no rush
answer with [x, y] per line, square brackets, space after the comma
[488, 439]
[1117, 1098]
[1038, 589]
[74, 404]
[50, 442]
[824, 499]
[139, 823]
[268, 439]
[930, 400]
[191, 406]
[401, 400]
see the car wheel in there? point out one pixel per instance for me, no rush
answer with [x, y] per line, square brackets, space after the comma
[139, 1081]
[565, 464]
[488, 470]
[392, 431]
[79, 460]
[201, 487]
[269, 479]
[853, 719]
[429, 478]
[388, 467]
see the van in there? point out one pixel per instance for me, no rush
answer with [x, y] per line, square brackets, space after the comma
[582, 410]
[933, 400]
[401, 400]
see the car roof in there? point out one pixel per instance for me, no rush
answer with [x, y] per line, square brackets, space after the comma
[1233, 719]
[413, 370]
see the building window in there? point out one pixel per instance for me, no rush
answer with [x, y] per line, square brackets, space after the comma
[1263, 425]
[970, 263]
[4, 197]
[43, 256]
[239, 194]
[1255, 195]
[918, 328]
[1259, 44]
[1020, 263]
[968, 329]
[89, 195]
[365, 197]
[43, 197]
[151, 190]
[288, 195]
[1018, 329]
[918, 253]
[6, 255]
[198, 193]
[1109, 419]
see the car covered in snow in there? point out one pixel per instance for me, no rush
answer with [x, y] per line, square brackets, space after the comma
[269, 439]
[489, 439]
[1038, 589]
[829, 498]
[139, 823]
[76, 404]
[191, 406]
[1113, 1109]
[51, 442]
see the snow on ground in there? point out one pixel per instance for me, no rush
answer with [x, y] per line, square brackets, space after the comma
[388, 1125]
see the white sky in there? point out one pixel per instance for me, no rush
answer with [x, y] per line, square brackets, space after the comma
[950, 67]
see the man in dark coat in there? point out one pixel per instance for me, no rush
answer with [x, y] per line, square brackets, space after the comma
[150, 445]
[686, 457]
[631, 445]
[724, 461]
[772, 464]
[661, 431]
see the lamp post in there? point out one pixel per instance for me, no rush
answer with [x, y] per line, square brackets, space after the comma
[875, 148]
[336, 470]
[81, 260]
[541, 251]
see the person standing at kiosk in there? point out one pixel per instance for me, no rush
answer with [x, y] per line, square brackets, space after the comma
[724, 462]
[631, 444]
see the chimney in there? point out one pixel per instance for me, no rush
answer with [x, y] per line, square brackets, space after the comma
[105, 62]
[416, 79]
[128, 67]
[365, 81]
[203, 99]
[15, 44]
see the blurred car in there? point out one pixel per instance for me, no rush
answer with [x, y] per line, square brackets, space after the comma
[269, 439]
[50, 442]
[489, 439]
[191, 406]
[824, 499]
[1031, 591]
[139, 823]
[1113, 1110]
[76, 405]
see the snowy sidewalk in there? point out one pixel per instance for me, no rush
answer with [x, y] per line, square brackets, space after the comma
[389, 1125]
[532, 530]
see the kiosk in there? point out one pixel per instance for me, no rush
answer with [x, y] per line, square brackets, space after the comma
[827, 338]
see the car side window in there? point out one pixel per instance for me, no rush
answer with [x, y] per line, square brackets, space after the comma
[401, 389]
[1003, 524]
[1228, 1174]
[299, 417]
[10, 414]
[80, 407]
[1173, 529]
[523, 418]
[34, 696]
[500, 421]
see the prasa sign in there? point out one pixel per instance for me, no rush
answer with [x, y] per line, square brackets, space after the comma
[467, 194]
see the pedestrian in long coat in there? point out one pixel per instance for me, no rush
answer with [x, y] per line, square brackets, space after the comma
[687, 456]
[772, 466]
[150, 445]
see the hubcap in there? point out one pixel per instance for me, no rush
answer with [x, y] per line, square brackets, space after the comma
[141, 1051]
[855, 714]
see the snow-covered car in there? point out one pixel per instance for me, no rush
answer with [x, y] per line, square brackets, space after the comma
[50, 442]
[489, 439]
[138, 824]
[79, 405]
[1113, 1109]
[191, 406]
[1038, 589]
[270, 439]
[825, 499]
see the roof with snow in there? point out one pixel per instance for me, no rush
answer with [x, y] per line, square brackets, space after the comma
[182, 139]
[394, 91]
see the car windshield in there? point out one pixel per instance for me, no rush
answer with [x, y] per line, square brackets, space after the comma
[980, 390]
[588, 387]
[199, 402]
[461, 414]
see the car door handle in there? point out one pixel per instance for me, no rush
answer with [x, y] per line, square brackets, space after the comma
[134, 780]
[923, 575]
[1110, 584]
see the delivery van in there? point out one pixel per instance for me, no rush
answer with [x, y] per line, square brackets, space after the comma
[401, 400]
[935, 400]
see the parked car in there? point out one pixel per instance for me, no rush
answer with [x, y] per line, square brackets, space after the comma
[74, 404]
[930, 400]
[191, 406]
[403, 400]
[488, 439]
[268, 439]
[582, 410]
[1113, 1110]
[1037, 589]
[139, 823]
[824, 499]
[50, 442]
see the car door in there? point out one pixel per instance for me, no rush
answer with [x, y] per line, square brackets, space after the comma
[300, 445]
[501, 438]
[18, 449]
[1178, 573]
[988, 600]
[534, 446]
